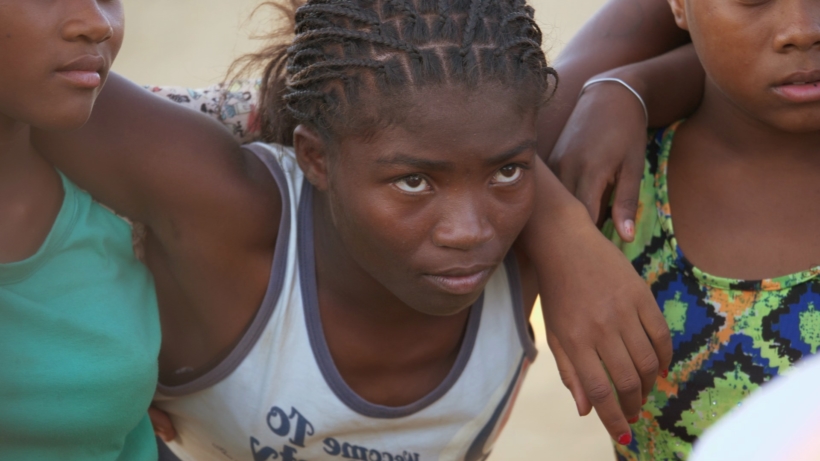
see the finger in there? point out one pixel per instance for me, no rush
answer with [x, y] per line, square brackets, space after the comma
[568, 376]
[644, 357]
[624, 376]
[567, 175]
[657, 329]
[601, 395]
[163, 426]
[625, 203]
[590, 191]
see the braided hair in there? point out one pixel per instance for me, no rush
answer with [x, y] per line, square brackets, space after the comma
[350, 55]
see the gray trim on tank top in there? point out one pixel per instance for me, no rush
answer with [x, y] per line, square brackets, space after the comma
[522, 324]
[321, 352]
[274, 290]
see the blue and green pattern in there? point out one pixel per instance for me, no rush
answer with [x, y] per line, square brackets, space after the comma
[729, 336]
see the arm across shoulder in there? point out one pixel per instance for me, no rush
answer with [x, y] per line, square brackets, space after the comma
[234, 104]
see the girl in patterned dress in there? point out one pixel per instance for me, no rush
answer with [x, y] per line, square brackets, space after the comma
[727, 214]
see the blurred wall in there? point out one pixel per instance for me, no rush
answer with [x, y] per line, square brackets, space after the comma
[192, 42]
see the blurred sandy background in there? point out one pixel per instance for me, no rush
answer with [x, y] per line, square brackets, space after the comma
[192, 43]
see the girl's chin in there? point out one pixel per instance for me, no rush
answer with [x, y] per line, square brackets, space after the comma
[65, 120]
[440, 305]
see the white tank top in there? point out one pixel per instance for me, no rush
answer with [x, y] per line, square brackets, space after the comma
[278, 395]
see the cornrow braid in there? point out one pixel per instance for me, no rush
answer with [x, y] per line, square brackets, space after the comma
[345, 53]
[338, 10]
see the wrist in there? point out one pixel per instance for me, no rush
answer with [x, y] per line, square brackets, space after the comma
[551, 228]
[622, 87]
[631, 75]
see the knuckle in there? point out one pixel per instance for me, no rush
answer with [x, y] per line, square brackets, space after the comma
[662, 334]
[566, 381]
[648, 365]
[614, 424]
[628, 385]
[575, 338]
[630, 204]
[599, 392]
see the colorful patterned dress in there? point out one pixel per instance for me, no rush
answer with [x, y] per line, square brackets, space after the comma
[729, 336]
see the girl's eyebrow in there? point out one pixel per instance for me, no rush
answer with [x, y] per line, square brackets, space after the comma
[445, 165]
[507, 155]
[415, 162]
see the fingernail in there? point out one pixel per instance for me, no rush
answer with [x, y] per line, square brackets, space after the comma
[633, 420]
[664, 374]
[625, 439]
[643, 402]
[629, 227]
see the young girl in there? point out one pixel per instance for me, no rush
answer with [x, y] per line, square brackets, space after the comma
[736, 275]
[79, 327]
[372, 247]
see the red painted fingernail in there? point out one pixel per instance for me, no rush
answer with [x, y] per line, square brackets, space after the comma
[633, 420]
[643, 402]
[625, 439]
[664, 374]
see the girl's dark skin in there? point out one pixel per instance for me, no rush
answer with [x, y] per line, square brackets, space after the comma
[743, 175]
[439, 198]
[594, 151]
[37, 41]
[718, 135]
[394, 212]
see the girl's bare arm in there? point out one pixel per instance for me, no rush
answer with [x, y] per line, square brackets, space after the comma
[212, 211]
[602, 321]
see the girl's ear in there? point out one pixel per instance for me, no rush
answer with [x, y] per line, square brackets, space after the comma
[679, 10]
[312, 155]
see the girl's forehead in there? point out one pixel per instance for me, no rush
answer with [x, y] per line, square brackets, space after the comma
[456, 126]
[461, 109]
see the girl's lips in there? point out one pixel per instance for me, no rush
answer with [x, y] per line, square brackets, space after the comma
[84, 71]
[800, 92]
[460, 284]
[82, 78]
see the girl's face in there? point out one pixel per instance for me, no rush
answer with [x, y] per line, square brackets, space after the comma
[763, 55]
[430, 207]
[54, 58]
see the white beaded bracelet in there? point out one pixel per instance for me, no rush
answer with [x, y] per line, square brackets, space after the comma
[626, 85]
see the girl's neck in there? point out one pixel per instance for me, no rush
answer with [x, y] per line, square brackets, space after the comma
[742, 134]
[15, 144]
[744, 196]
[31, 193]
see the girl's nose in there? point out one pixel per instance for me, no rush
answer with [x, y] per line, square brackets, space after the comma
[463, 226]
[799, 26]
[88, 21]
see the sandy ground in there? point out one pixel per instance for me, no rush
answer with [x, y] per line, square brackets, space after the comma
[192, 43]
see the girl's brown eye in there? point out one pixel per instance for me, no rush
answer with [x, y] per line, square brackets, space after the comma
[413, 184]
[508, 174]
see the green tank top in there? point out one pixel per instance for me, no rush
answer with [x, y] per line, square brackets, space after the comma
[79, 341]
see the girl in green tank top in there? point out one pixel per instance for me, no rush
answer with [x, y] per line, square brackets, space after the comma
[79, 327]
